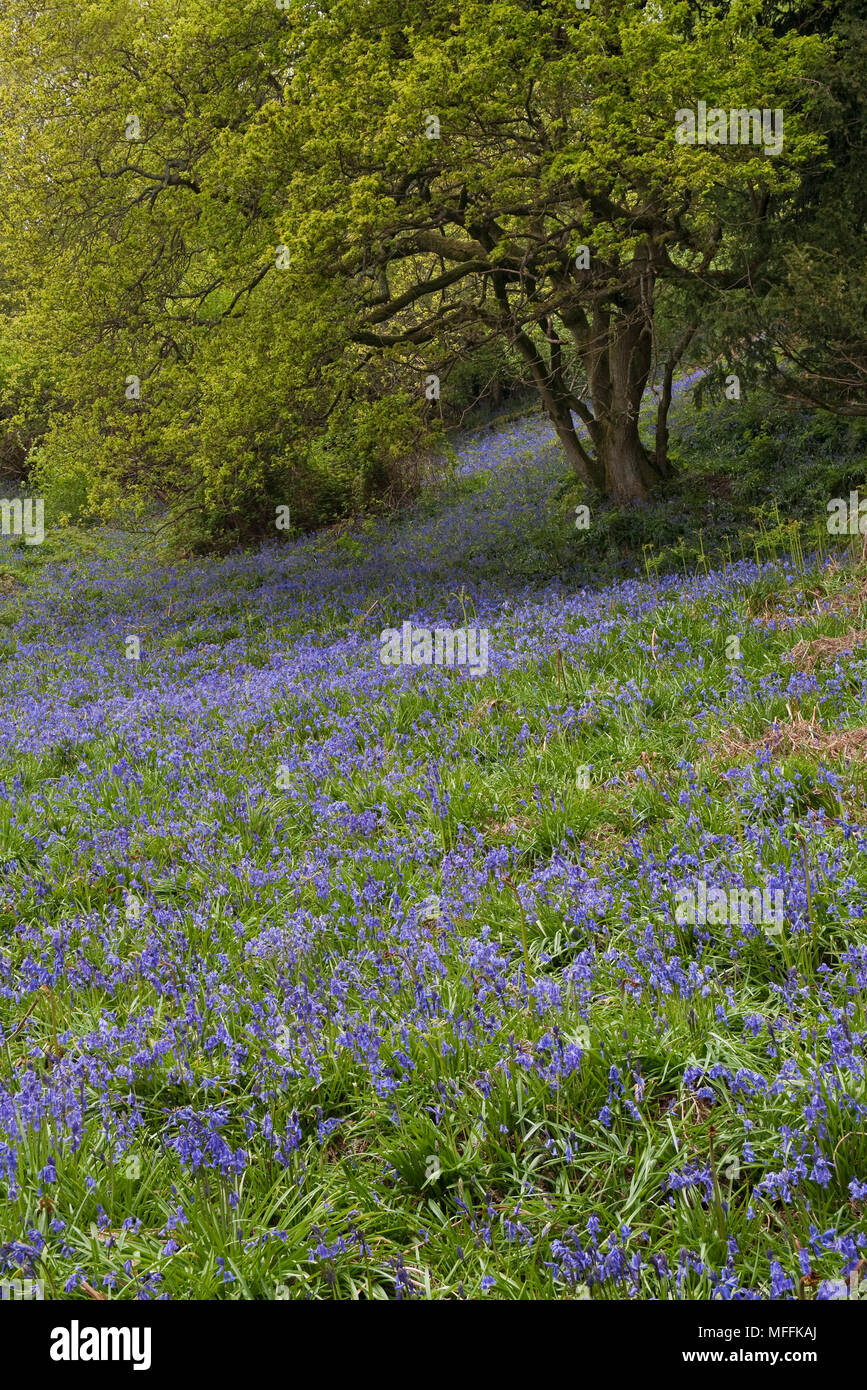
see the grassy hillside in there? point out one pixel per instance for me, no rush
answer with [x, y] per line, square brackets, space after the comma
[320, 977]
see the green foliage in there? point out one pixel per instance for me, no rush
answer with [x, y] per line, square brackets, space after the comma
[239, 206]
[749, 473]
[758, 451]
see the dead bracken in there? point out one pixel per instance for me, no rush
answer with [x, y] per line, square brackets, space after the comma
[794, 736]
[805, 655]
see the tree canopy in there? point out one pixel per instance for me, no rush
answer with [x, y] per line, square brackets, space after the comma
[233, 232]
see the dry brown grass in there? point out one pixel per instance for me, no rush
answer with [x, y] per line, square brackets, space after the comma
[798, 735]
[482, 711]
[806, 655]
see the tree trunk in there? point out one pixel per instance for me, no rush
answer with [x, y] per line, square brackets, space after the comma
[548, 380]
[629, 475]
[588, 469]
[615, 462]
[615, 343]
[618, 380]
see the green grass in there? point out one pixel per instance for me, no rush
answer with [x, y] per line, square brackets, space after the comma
[470, 1169]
